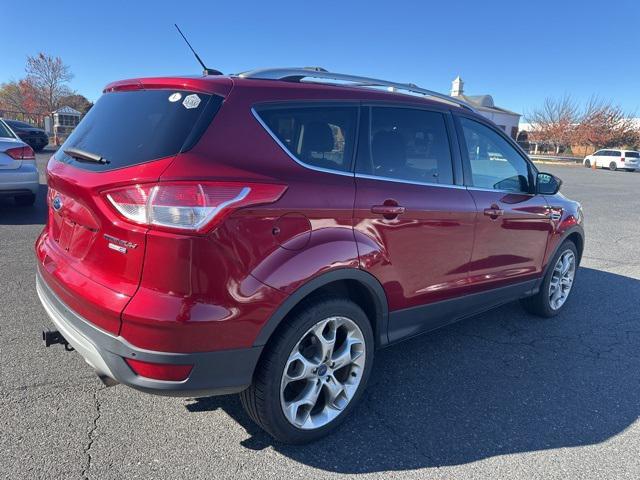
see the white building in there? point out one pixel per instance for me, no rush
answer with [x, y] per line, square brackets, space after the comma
[485, 106]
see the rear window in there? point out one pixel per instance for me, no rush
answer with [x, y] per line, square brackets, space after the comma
[17, 124]
[632, 155]
[322, 137]
[128, 128]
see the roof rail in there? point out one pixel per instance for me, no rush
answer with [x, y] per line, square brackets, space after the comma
[298, 74]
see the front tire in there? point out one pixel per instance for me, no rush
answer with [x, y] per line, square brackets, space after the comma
[312, 372]
[587, 163]
[557, 283]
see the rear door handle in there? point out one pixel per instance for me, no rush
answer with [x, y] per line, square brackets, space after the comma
[494, 211]
[388, 211]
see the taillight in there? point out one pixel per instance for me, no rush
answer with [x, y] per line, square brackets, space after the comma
[21, 153]
[622, 159]
[159, 371]
[188, 206]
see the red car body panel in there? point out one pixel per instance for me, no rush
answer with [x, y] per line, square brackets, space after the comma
[425, 238]
[512, 246]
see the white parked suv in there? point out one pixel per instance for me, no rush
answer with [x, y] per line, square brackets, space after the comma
[628, 160]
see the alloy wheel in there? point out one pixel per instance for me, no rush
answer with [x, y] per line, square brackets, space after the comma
[322, 373]
[562, 279]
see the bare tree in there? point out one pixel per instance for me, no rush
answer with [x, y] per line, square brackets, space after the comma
[49, 76]
[554, 122]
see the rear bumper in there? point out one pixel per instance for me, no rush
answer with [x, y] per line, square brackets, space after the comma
[22, 180]
[214, 373]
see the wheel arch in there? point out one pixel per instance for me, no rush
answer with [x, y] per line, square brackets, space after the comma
[578, 240]
[357, 285]
[576, 235]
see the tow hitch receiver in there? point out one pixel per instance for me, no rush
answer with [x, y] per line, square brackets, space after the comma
[53, 337]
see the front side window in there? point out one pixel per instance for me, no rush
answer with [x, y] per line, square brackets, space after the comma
[319, 136]
[408, 144]
[494, 163]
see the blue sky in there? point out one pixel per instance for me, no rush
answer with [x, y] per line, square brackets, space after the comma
[520, 52]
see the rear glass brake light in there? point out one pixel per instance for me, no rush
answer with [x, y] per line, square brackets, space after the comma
[188, 206]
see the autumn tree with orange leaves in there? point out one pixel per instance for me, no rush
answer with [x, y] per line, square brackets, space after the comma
[563, 123]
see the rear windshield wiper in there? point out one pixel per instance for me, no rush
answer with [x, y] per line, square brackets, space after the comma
[84, 156]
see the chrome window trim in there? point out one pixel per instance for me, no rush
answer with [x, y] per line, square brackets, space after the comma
[409, 182]
[292, 156]
[483, 189]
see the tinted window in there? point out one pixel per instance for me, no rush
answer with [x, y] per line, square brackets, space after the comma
[408, 144]
[632, 154]
[319, 136]
[615, 153]
[495, 164]
[4, 131]
[132, 127]
[17, 124]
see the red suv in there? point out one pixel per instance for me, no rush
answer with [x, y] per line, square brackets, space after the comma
[265, 234]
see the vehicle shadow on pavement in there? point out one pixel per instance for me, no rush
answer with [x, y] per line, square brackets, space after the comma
[12, 214]
[500, 383]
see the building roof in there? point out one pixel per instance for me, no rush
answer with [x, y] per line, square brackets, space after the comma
[485, 102]
[479, 102]
[67, 111]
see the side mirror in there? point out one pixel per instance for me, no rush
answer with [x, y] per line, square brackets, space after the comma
[547, 184]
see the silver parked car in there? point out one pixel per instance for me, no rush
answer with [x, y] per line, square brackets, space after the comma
[18, 171]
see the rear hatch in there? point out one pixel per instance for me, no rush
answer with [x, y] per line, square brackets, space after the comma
[129, 136]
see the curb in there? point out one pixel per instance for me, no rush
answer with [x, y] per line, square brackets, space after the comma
[557, 162]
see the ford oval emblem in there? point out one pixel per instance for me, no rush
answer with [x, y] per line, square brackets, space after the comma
[57, 203]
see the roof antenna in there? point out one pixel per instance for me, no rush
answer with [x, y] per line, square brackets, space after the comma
[205, 70]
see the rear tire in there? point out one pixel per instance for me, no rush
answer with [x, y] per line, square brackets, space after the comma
[613, 166]
[281, 412]
[542, 303]
[25, 200]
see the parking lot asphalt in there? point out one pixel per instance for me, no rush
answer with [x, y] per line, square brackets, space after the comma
[500, 395]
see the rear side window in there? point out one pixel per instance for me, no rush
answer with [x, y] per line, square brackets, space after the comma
[4, 131]
[132, 127]
[319, 136]
[632, 155]
[408, 144]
